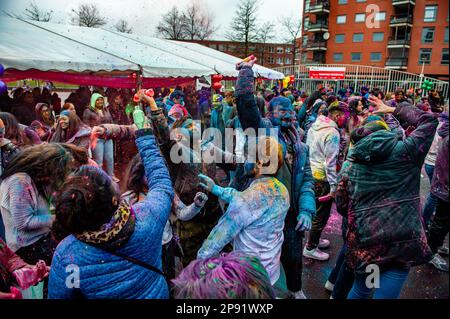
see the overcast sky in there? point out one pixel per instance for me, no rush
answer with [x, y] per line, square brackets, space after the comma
[144, 15]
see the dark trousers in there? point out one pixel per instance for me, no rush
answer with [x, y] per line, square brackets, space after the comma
[291, 253]
[323, 211]
[342, 276]
[439, 226]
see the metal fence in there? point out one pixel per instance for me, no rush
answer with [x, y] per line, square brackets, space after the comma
[357, 76]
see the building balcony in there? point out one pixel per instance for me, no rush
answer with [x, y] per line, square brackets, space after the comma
[396, 63]
[313, 61]
[319, 8]
[398, 43]
[315, 46]
[403, 2]
[317, 27]
[399, 21]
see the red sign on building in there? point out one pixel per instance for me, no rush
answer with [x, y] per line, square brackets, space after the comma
[327, 73]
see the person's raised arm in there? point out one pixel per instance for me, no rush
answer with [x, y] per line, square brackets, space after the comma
[419, 141]
[247, 109]
[160, 195]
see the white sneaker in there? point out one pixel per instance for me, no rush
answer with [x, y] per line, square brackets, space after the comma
[324, 243]
[443, 250]
[439, 263]
[329, 286]
[315, 253]
[299, 295]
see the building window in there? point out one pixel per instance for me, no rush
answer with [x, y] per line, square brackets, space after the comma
[340, 38]
[341, 19]
[270, 60]
[360, 17]
[424, 56]
[356, 56]
[288, 50]
[378, 36]
[430, 13]
[427, 35]
[444, 59]
[222, 47]
[280, 50]
[375, 56]
[342, 1]
[338, 57]
[304, 58]
[380, 16]
[446, 35]
[288, 61]
[305, 41]
[279, 60]
[360, 0]
[271, 50]
[358, 37]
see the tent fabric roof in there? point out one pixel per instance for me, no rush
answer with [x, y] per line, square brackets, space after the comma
[55, 47]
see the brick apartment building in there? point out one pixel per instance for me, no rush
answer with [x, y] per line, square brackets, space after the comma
[398, 34]
[269, 55]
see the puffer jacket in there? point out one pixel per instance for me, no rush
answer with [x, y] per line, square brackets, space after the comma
[105, 276]
[379, 192]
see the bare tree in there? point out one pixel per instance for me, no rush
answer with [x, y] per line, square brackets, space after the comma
[122, 26]
[172, 25]
[34, 13]
[88, 15]
[292, 27]
[265, 33]
[198, 23]
[244, 25]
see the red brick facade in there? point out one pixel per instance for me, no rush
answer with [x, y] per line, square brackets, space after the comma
[386, 33]
[269, 54]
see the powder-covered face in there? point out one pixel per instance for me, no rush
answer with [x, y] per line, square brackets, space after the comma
[283, 116]
[64, 121]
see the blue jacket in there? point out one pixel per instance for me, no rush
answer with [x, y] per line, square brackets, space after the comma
[105, 276]
[302, 187]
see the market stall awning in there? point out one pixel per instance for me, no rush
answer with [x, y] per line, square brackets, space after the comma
[81, 53]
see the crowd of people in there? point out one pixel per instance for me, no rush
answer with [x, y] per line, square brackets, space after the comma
[94, 205]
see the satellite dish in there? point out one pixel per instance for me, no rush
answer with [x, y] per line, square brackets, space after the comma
[326, 36]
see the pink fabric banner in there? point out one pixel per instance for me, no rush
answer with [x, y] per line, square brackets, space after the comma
[90, 79]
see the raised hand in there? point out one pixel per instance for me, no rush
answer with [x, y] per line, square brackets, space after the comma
[200, 199]
[206, 182]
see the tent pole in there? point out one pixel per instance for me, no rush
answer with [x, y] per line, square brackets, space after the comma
[139, 78]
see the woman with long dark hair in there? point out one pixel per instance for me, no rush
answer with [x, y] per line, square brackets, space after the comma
[71, 130]
[26, 189]
[13, 130]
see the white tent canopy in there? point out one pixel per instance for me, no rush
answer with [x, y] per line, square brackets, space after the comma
[47, 46]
